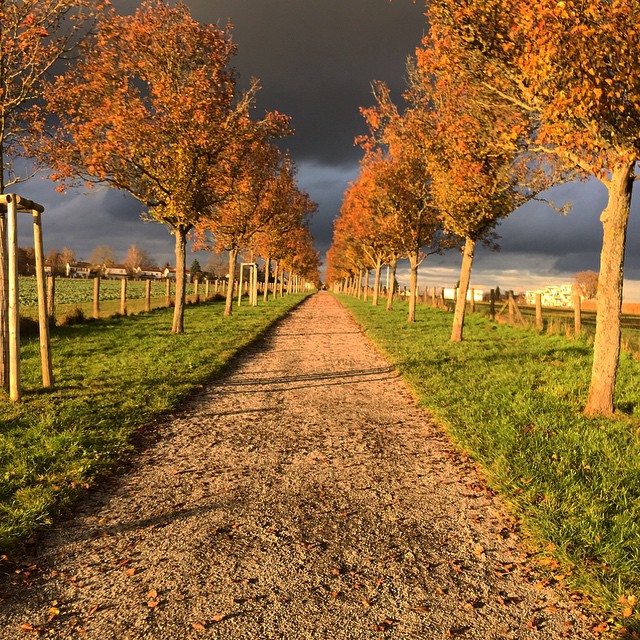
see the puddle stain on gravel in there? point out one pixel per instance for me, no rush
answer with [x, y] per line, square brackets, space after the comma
[303, 496]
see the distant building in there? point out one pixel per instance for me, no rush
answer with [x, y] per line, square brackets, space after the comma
[559, 296]
[450, 294]
[78, 269]
[115, 271]
[148, 273]
[170, 273]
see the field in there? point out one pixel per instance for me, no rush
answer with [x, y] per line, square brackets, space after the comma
[111, 377]
[559, 320]
[74, 294]
[512, 399]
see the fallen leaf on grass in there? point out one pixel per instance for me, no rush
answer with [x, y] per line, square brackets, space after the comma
[131, 572]
[152, 595]
[152, 604]
[219, 617]
[199, 626]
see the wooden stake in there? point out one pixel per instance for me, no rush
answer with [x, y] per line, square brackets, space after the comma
[577, 314]
[96, 297]
[43, 320]
[539, 320]
[123, 297]
[147, 295]
[51, 296]
[14, 314]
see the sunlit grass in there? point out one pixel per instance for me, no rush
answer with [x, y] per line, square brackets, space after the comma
[513, 400]
[111, 377]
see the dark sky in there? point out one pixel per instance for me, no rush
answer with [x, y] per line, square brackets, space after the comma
[316, 60]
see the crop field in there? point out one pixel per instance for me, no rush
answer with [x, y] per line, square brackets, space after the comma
[78, 293]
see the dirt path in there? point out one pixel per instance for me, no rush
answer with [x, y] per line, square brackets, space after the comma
[302, 496]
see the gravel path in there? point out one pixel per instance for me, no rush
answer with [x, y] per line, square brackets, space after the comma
[303, 496]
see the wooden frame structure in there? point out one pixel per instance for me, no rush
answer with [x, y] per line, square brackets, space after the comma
[253, 283]
[10, 206]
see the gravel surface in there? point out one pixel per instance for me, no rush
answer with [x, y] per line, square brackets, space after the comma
[303, 495]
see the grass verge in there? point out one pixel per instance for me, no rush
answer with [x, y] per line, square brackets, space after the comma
[112, 376]
[512, 400]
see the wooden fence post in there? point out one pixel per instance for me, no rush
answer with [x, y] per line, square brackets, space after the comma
[123, 297]
[147, 296]
[196, 287]
[168, 293]
[96, 297]
[492, 304]
[511, 308]
[473, 300]
[51, 296]
[206, 288]
[577, 314]
[539, 320]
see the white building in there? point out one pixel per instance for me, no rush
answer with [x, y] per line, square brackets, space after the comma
[450, 294]
[559, 296]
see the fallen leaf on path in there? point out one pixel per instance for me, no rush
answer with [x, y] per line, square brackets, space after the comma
[199, 626]
[534, 624]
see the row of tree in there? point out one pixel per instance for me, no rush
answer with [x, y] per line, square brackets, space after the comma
[148, 104]
[502, 103]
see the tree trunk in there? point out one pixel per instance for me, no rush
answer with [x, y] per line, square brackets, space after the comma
[461, 302]
[359, 285]
[233, 257]
[181, 258]
[267, 268]
[376, 283]
[392, 284]
[413, 286]
[366, 285]
[606, 347]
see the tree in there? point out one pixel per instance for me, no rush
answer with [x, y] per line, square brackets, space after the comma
[195, 270]
[68, 256]
[475, 149]
[574, 71]
[152, 109]
[34, 35]
[137, 258]
[103, 255]
[408, 184]
[586, 284]
[246, 212]
[55, 262]
[217, 265]
[26, 261]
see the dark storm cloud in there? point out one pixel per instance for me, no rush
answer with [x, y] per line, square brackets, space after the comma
[316, 61]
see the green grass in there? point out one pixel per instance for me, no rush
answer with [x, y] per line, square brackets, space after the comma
[512, 399]
[111, 377]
